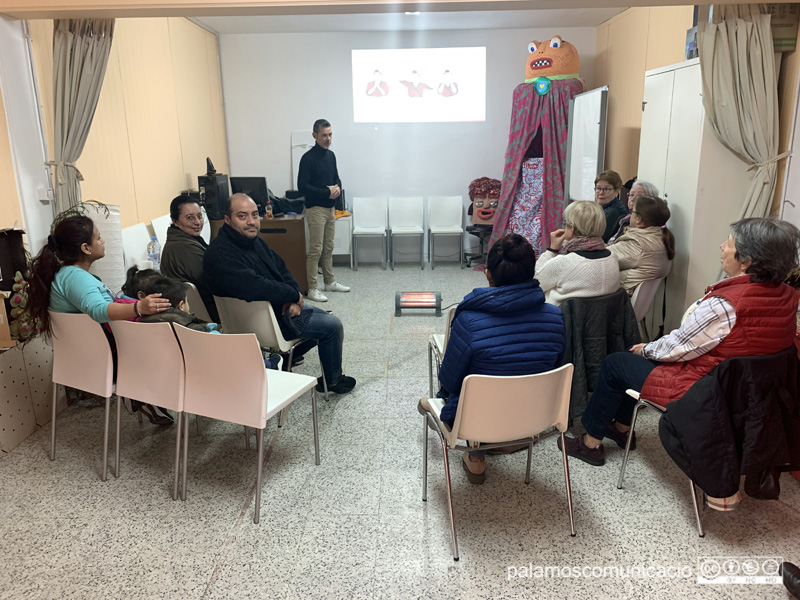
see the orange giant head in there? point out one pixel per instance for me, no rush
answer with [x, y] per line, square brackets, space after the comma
[551, 58]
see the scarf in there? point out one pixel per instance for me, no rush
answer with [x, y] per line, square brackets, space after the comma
[583, 244]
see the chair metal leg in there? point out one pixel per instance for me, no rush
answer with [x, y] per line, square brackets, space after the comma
[246, 438]
[354, 257]
[461, 249]
[53, 424]
[260, 436]
[450, 500]
[352, 247]
[314, 421]
[528, 468]
[116, 439]
[697, 510]
[431, 253]
[391, 250]
[185, 454]
[196, 424]
[636, 409]
[430, 369]
[569, 486]
[425, 458]
[105, 439]
[177, 456]
[385, 250]
[422, 251]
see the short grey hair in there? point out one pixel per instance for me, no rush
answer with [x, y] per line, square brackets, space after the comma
[770, 245]
[586, 217]
[649, 189]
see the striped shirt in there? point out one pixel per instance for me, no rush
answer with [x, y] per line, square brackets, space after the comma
[701, 331]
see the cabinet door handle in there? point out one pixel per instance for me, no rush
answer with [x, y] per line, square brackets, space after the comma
[643, 103]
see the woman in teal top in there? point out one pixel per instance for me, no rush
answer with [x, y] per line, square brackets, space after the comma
[61, 282]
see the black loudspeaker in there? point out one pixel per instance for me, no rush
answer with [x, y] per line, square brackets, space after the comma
[214, 192]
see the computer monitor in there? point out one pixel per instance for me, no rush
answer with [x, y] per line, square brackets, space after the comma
[255, 187]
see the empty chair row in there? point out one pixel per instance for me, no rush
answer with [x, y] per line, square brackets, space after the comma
[379, 217]
[178, 369]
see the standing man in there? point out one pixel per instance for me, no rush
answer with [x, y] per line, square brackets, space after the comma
[318, 181]
[239, 264]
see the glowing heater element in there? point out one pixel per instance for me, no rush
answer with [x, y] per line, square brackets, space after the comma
[418, 300]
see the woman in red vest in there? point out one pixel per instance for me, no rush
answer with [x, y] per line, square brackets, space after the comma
[749, 313]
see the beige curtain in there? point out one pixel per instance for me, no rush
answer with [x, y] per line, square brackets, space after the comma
[80, 56]
[740, 94]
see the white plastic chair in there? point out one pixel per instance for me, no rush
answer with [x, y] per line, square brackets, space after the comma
[445, 217]
[205, 233]
[437, 344]
[643, 295]
[226, 380]
[240, 316]
[407, 217]
[196, 304]
[160, 226]
[150, 370]
[369, 220]
[82, 360]
[640, 404]
[496, 410]
[134, 244]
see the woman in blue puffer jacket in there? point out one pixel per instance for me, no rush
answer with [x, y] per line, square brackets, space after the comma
[505, 329]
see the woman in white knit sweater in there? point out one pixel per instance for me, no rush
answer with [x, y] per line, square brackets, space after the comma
[577, 263]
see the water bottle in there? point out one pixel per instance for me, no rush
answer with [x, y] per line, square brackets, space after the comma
[154, 253]
[269, 209]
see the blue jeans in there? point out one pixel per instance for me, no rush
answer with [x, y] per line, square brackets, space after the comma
[620, 371]
[324, 330]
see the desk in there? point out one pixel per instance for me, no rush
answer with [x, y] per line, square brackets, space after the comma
[286, 235]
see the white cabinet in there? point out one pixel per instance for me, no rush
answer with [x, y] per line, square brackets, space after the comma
[703, 182]
[342, 237]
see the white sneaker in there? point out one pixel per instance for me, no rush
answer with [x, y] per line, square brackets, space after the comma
[315, 295]
[336, 287]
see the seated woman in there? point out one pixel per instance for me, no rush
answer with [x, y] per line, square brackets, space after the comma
[61, 282]
[638, 189]
[182, 256]
[607, 186]
[577, 263]
[504, 329]
[750, 313]
[645, 250]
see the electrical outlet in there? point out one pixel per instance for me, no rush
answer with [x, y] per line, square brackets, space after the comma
[45, 195]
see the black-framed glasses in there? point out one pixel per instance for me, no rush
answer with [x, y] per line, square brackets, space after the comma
[604, 189]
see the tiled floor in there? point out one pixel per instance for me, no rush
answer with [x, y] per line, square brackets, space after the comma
[355, 526]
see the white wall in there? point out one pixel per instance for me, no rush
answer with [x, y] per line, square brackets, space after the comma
[278, 83]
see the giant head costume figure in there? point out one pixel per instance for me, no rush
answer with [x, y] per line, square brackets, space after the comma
[554, 59]
[532, 197]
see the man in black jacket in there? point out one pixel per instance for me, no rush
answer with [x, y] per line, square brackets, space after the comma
[318, 181]
[239, 264]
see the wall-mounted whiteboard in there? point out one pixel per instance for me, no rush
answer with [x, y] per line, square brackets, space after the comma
[586, 142]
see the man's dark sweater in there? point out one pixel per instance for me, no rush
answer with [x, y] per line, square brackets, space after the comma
[238, 267]
[317, 171]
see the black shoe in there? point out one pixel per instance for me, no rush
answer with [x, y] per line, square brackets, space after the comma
[344, 385]
[156, 415]
[791, 578]
[763, 486]
[621, 438]
[577, 449]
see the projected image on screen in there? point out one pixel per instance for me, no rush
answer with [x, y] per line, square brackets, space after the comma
[419, 85]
